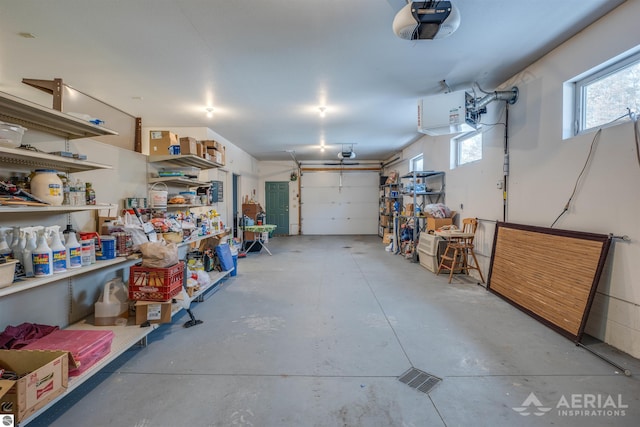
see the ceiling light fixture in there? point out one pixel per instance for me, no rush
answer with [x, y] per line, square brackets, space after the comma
[323, 111]
[209, 111]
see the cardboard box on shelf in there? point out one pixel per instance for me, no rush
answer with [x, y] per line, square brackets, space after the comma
[217, 157]
[387, 238]
[153, 312]
[43, 376]
[200, 149]
[160, 141]
[434, 223]
[188, 145]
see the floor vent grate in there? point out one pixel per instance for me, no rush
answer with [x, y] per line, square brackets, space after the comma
[420, 380]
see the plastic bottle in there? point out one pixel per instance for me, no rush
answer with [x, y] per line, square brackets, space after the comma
[59, 254]
[90, 194]
[18, 244]
[42, 257]
[5, 250]
[74, 252]
[28, 252]
[81, 194]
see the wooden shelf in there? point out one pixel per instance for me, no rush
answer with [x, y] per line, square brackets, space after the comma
[37, 117]
[30, 283]
[54, 209]
[189, 160]
[178, 180]
[39, 160]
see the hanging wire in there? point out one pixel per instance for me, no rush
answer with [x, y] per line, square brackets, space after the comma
[594, 142]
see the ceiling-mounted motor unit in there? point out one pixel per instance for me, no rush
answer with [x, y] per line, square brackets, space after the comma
[426, 20]
[446, 113]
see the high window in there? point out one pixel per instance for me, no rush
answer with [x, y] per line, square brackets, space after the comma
[607, 94]
[466, 148]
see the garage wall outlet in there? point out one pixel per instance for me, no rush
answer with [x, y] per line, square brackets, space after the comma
[499, 185]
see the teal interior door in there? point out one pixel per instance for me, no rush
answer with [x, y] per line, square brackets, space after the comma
[277, 205]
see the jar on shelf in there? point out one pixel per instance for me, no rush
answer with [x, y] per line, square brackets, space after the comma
[47, 186]
[90, 194]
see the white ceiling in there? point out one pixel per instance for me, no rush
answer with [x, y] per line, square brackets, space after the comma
[267, 65]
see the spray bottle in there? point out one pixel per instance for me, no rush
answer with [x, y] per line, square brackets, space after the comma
[74, 254]
[28, 251]
[42, 257]
[5, 250]
[59, 251]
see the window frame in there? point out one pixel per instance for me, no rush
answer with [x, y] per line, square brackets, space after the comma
[456, 142]
[581, 83]
[413, 161]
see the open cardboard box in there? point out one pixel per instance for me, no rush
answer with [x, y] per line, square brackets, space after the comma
[434, 223]
[43, 376]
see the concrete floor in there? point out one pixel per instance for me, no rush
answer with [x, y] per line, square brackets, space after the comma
[317, 335]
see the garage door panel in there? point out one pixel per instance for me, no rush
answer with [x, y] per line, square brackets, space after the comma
[328, 208]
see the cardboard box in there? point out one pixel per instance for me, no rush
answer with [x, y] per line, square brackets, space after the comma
[209, 144]
[44, 375]
[217, 157]
[200, 149]
[188, 145]
[153, 312]
[434, 223]
[160, 141]
[387, 238]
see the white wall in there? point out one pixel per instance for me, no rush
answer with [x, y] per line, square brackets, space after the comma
[544, 169]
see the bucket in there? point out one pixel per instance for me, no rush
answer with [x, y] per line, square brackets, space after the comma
[112, 304]
[235, 265]
[158, 198]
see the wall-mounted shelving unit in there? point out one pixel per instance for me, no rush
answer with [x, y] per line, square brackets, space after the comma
[37, 117]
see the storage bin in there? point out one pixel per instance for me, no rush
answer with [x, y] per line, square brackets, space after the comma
[85, 348]
[11, 135]
[7, 272]
[155, 284]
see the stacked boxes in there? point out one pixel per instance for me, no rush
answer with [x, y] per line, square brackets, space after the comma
[216, 151]
[163, 142]
[153, 289]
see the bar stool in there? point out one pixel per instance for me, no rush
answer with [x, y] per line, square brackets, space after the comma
[459, 249]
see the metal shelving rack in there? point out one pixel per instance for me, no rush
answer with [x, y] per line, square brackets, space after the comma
[420, 197]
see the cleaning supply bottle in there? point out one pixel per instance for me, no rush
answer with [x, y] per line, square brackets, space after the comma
[5, 250]
[28, 252]
[42, 258]
[59, 254]
[74, 253]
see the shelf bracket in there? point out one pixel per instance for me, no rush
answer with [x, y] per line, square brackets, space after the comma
[52, 87]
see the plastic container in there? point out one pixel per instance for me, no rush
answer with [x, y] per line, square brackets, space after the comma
[107, 248]
[86, 347]
[158, 198]
[7, 271]
[11, 135]
[74, 249]
[189, 197]
[235, 265]
[155, 284]
[47, 186]
[86, 247]
[59, 254]
[42, 258]
[112, 304]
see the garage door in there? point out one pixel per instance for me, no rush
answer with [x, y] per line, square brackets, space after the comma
[335, 204]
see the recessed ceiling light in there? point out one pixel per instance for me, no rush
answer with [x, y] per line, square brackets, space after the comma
[323, 111]
[27, 35]
[209, 111]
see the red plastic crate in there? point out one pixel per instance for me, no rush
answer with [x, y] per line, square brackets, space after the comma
[155, 284]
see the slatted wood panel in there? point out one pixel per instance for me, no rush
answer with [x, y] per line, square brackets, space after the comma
[550, 274]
